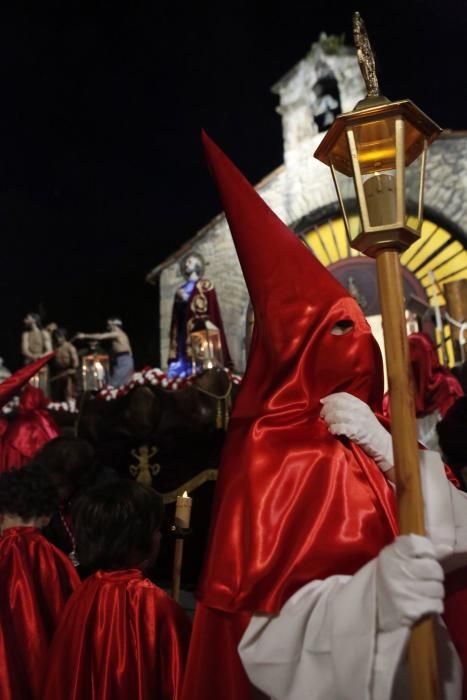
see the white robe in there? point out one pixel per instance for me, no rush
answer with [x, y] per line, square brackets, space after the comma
[426, 430]
[325, 644]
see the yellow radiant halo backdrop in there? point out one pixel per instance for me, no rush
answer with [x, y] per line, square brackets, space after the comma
[437, 252]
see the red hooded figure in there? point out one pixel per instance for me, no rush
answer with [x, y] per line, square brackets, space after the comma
[293, 502]
[120, 637]
[36, 580]
[436, 388]
[33, 425]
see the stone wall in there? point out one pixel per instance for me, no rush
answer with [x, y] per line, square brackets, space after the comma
[446, 178]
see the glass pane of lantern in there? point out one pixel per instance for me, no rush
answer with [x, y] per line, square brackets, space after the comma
[215, 347]
[380, 196]
[199, 345]
[94, 372]
[414, 184]
[340, 156]
[376, 145]
[348, 196]
[206, 345]
[414, 142]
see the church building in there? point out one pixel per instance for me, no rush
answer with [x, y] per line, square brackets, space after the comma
[324, 83]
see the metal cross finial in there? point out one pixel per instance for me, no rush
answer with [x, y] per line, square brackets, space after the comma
[365, 55]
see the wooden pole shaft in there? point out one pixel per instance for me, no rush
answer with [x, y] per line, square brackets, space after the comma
[422, 653]
[177, 569]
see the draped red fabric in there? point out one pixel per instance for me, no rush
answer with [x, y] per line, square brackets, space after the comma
[32, 427]
[12, 385]
[36, 580]
[293, 503]
[120, 637]
[288, 491]
[214, 671]
[435, 386]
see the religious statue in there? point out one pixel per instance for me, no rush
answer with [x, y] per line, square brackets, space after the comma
[63, 382]
[122, 365]
[35, 341]
[194, 299]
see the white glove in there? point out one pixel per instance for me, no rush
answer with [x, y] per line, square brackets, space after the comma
[344, 414]
[409, 582]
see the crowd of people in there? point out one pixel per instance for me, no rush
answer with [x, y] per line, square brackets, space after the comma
[79, 617]
[308, 589]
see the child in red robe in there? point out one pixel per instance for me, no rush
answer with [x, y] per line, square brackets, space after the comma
[36, 580]
[120, 636]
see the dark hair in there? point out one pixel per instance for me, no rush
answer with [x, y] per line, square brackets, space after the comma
[27, 492]
[35, 317]
[452, 434]
[59, 333]
[113, 521]
[69, 461]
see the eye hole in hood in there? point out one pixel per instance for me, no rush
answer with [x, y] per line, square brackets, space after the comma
[342, 327]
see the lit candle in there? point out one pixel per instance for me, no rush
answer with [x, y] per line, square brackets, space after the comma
[183, 511]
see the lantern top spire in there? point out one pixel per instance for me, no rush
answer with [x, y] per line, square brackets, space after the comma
[365, 55]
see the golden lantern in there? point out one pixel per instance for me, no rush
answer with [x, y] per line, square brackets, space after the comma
[95, 371]
[206, 345]
[368, 151]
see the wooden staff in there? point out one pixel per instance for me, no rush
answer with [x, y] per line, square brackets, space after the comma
[182, 524]
[177, 569]
[422, 653]
[370, 146]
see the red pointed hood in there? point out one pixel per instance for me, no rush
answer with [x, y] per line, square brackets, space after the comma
[293, 502]
[12, 385]
[296, 302]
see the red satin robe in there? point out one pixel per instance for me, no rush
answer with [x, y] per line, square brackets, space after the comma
[435, 386]
[36, 580]
[29, 431]
[120, 637]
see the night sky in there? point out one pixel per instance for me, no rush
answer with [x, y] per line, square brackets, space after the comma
[101, 170]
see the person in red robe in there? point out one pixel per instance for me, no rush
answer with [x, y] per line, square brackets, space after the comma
[120, 636]
[33, 426]
[294, 503]
[36, 580]
[436, 389]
